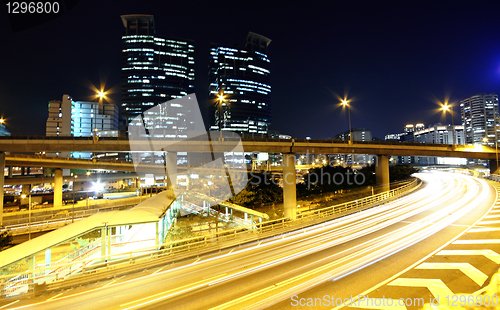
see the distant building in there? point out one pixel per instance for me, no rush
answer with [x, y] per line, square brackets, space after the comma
[480, 117]
[81, 119]
[154, 70]
[3, 130]
[440, 134]
[358, 134]
[242, 76]
[436, 134]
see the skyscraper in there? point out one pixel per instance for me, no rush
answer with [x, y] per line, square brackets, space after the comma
[242, 77]
[154, 70]
[480, 118]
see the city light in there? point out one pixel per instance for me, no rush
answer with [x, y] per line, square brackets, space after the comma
[97, 186]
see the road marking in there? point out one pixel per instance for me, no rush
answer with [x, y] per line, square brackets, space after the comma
[371, 303]
[9, 304]
[109, 283]
[478, 241]
[158, 270]
[196, 261]
[483, 229]
[171, 292]
[436, 286]
[487, 253]
[495, 211]
[492, 216]
[54, 297]
[472, 272]
[489, 222]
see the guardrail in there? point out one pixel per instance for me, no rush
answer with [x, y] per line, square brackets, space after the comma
[172, 251]
[37, 224]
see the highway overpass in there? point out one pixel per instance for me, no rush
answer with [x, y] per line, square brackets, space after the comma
[298, 146]
[226, 143]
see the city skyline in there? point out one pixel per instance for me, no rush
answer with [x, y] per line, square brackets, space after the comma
[395, 59]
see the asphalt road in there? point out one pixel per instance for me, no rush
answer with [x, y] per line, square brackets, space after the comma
[352, 255]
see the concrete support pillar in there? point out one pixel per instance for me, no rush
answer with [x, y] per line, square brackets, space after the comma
[289, 186]
[171, 170]
[382, 172]
[10, 172]
[26, 190]
[492, 163]
[58, 183]
[2, 167]
[227, 211]
[109, 239]
[103, 242]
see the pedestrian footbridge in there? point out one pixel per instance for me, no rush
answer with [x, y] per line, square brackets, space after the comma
[107, 236]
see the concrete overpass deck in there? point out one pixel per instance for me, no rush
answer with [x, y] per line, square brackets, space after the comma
[301, 146]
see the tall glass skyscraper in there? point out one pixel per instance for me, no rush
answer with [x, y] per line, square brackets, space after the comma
[242, 77]
[480, 118]
[154, 70]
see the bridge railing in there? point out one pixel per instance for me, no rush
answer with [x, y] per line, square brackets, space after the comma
[21, 282]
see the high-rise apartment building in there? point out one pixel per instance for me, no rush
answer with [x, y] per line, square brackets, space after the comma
[242, 77]
[154, 70]
[480, 118]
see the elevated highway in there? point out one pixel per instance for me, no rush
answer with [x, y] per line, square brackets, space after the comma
[220, 144]
[298, 146]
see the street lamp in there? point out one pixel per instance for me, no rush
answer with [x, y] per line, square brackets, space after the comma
[100, 95]
[446, 108]
[221, 100]
[29, 215]
[345, 103]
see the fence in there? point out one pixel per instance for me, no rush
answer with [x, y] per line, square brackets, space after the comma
[176, 250]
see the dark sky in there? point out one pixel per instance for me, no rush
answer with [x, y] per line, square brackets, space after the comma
[394, 58]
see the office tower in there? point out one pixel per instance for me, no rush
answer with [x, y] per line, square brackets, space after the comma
[480, 118]
[242, 77]
[154, 70]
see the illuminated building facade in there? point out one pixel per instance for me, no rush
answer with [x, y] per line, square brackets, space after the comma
[82, 119]
[154, 70]
[480, 118]
[242, 76]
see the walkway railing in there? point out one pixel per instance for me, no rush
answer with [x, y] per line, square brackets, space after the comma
[18, 283]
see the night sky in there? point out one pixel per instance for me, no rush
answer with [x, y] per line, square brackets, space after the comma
[395, 59]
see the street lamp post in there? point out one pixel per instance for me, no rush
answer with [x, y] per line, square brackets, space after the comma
[346, 104]
[446, 108]
[221, 100]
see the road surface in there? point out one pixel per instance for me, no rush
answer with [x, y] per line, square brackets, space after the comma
[361, 253]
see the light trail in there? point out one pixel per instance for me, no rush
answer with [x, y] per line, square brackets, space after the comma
[445, 199]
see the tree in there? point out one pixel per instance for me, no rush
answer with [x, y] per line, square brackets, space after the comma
[5, 240]
[260, 189]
